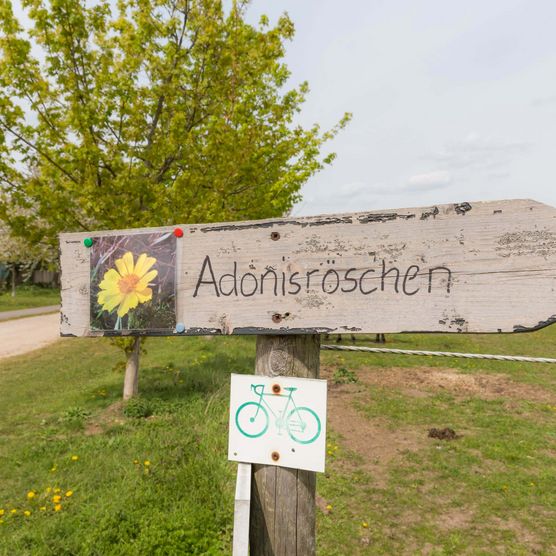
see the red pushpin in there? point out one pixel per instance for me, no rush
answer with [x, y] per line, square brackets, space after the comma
[178, 232]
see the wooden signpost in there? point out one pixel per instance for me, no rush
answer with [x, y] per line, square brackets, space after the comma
[467, 267]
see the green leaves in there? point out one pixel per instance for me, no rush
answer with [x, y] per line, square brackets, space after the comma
[147, 113]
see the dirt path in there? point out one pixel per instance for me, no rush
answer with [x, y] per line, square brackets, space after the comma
[27, 334]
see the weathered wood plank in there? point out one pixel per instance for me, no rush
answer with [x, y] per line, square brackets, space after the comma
[283, 499]
[242, 509]
[469, 267]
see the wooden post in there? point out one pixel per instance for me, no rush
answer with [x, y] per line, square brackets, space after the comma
[282, 499]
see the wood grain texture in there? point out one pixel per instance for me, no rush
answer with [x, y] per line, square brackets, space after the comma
[282, 499]
[468, 267]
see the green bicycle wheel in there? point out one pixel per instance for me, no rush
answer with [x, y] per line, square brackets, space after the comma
[303, 425]
[252, 419]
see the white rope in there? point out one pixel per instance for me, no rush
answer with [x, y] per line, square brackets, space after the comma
[442, 354]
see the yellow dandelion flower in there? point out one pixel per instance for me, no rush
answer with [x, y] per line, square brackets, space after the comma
[14, 511]
[53, 468]
[146, 463]
[74, 458]
[31, 494]
[56, 499]
[57, 507]
[26, 513]
[69, 493]
[329, 507]
[57, 489]
[135, 461]
[2, 512]
[48, 490]
[42, 508]
[364, 524]
[127, 286]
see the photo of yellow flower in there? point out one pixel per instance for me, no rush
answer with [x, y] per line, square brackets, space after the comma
[133, 282]
[127, 286]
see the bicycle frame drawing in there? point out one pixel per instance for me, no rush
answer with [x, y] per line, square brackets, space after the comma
[301, 423]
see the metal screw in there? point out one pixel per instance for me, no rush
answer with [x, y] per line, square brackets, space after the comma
[274, 236]
[275, 456]
[276, 317]
[276, 388]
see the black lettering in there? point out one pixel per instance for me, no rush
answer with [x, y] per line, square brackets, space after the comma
[448, 285]
[233, 290]
[206, 263]
[294, 283]
[330, 271]
[254, 289]
[385, 273]
[283, 283]
[269, 270]
[361, 283]
[354, 280]
[309, 277]
[410, 276]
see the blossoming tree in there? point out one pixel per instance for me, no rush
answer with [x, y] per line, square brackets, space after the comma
[124, 114]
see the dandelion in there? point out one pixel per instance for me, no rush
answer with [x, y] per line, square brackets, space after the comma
[31, 494]
[126, 287]
[146, 463]
[69, 493]
[57, 489]
[42, 508]
[56, 499]
[136, 461]
[26, 513]
[48, 490]
[74, 458]
[53, 468]
[13, 512]
[329, 507]
[364, 524]
[57, 507]
[2, 512]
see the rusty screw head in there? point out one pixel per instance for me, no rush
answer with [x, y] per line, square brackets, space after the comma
[274, 236]
[276, 388]
[275, 456]
[276, 317]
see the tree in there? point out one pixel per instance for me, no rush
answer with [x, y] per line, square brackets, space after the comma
[145, 113]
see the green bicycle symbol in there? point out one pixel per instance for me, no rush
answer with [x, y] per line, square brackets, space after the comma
[302, 423]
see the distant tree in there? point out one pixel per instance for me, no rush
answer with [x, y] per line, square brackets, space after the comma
[144, 113]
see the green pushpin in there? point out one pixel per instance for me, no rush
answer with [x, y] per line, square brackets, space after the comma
[88, 242]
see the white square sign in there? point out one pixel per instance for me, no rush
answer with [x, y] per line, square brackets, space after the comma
[278, 421]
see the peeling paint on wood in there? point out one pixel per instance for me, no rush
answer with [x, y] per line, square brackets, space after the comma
[467, 267]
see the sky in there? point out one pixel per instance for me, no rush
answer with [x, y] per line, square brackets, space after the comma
[452, 101]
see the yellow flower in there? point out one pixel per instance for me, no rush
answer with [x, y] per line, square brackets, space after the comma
[56, 499]
[2, 512]
[26, 513]
[57, 489]
[31, 494]
[126, 287]
[135, 461]
[329, 507]
[42, 508]
[57, 507]
[14, 511]
[69, 493]
[74, 458]
[364, 524]
[146, 463]
[53, 468]
[48, 490]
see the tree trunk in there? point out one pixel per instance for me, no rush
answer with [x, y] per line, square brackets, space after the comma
[282, 499]
[13, 279]
[131, 380]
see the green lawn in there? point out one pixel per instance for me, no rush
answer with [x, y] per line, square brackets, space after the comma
[161, 484]
[29, 296]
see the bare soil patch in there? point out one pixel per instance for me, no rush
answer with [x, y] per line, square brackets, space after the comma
[421, 381]
[112, 415]
[373, 440]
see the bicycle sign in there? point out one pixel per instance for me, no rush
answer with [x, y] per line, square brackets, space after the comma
[278, 421]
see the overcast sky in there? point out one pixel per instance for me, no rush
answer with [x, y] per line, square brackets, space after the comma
[451, 100]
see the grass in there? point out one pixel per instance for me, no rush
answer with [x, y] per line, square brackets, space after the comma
[29, 296]
[153, 478]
